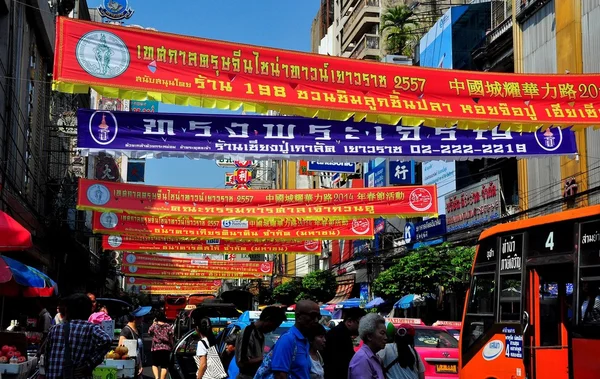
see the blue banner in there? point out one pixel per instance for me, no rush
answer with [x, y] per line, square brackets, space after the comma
[223, 136]
[344, 167]
[146, 106]
[401, 172]
[430, 232]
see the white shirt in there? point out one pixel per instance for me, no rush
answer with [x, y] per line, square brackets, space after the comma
[316, 368]
[389, 354]
[201, 349]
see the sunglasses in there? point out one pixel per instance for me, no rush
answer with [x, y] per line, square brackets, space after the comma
[313, 315]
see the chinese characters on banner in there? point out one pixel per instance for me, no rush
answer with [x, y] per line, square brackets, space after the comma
[201, 72]
[321, 203]
[165, 245]
[288, 229]
[213, 136]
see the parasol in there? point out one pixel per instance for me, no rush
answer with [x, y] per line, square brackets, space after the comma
[17, 279]
[375, 303]
[13, 236]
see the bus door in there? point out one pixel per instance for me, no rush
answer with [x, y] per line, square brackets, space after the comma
[547, 320]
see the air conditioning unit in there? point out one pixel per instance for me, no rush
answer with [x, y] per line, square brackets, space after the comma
[512, 209]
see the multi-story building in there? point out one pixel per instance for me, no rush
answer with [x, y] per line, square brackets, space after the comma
[39, 166]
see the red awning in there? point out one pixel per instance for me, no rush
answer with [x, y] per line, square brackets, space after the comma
[343, 293]
[13, 236]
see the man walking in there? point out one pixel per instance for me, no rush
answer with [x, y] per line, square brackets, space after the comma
[76, 347]
[291, 357]
[250, 342]
[339, 348]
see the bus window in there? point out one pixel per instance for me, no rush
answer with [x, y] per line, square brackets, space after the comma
[510, 298]
[480, 308]
[590, 303]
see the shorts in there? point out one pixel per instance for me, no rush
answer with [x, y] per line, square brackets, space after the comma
[161, 358]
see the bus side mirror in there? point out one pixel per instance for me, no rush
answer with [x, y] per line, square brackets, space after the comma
[525, 321]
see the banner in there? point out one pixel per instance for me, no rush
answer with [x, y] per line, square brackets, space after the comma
[215, 136]
[216, 203]
[474, 205]
[133, 263]
[139, 64]
[192, 229]
[141, 282]
[158, 245]
[194, 273]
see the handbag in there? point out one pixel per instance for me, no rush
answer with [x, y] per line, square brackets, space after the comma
[214, 367]
[68, 369]
[265, 371]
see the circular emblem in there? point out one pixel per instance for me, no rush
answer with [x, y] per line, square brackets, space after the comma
[103, 127]
[130, 258]
[216, 282]
[132, 269]
[492, 350]
[115, 241]
[265, 267]
[550, 141]
[98, 194]
[143, 286]
[131, 280]
[361, 226]
[420, 199]
[311, 245]
[102, 54]
[109, 220]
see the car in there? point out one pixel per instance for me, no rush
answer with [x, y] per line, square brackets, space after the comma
[452, 327]
[438, 348]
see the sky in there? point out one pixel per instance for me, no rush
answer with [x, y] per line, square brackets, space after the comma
[281, 24]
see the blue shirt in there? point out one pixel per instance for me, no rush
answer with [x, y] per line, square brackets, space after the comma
[290, 355]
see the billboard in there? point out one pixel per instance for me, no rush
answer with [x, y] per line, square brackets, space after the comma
[443, 175]
[474, 205]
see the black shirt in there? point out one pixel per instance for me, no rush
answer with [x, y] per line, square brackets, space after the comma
[339, 350]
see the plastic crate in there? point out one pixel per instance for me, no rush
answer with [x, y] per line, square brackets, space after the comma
[105, 373]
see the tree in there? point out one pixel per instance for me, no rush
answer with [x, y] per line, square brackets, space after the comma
[425, 270]
[398, 22]
[287, 292]
[319, 286]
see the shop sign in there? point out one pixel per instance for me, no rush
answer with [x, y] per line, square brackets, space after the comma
[474, 205]
[401, 172]
[219, 136]
[115, 10]
[430, 232]
[343, 167]
[242, 176]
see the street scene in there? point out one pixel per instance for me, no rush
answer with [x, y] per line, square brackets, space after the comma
[315, 189]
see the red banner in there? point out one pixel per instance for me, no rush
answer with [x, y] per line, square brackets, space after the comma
[153, 261]
[200, 284]
[192, 273]
[133, 63]
[214, 203]
[130, 243]
[113, 223]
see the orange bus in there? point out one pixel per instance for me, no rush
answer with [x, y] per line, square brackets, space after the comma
[533, 307]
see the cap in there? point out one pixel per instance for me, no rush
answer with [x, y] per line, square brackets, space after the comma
[405, 329]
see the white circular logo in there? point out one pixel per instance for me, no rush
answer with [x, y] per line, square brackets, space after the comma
[98, 194]
[361, 226]
[265, 267]
[132, 269]
[102, 54]
[492, 350]
[103, 129]
[130, 258]
[115, 241]
[549, 142]
[312, 245]
[109, 220]
[420, 199]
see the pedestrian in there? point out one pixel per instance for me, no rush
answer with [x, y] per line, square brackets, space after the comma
[340, 343]
[44, 321]
[163, 339]
[400, 359]
[76, 347]
[228, 357]
[291, 357]
[60, 314]
[365, 364]
[131, 332]
[207, 340]
[94, 302]
[317, 342]
[251, 341]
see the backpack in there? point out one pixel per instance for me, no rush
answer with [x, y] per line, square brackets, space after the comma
[265, 371]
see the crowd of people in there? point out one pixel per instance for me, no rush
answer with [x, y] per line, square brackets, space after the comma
[308, 351]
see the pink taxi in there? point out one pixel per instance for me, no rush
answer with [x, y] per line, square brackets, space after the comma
[438, 348]
[452, 327]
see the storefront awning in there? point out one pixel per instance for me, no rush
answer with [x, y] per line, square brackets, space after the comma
[13, 236]
[344, 290]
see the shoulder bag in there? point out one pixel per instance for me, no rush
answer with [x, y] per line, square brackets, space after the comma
[214, 367]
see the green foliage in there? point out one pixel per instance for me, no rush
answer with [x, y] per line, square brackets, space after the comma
[319, 286]
[398, 22]
[424, 270]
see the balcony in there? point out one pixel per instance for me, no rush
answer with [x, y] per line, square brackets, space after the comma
[504, 27]
[368, 46]
[526, 8]
[495, 51]
[364, 16]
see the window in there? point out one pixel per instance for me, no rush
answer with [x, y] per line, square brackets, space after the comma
[435, 338]
[510, 298]
[480, 310]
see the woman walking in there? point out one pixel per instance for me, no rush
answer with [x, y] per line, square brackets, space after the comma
[317, 345]
[162, 344]
[400, 359]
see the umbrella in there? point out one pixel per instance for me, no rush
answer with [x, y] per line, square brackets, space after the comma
[329, 307]
[375, 303]
[13, 236]
[17, 279]
[350, 303]
[411, 300]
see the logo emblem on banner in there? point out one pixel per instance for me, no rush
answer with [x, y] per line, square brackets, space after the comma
[549, 142]
[361, 226]
[109, 220]
[130, 258]
[420, 199]
[265, 267]
[103, 130]
[311, 245]
[98, 194]
[102, 54]
[115, 9]
[132, 269]
[115, 241]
